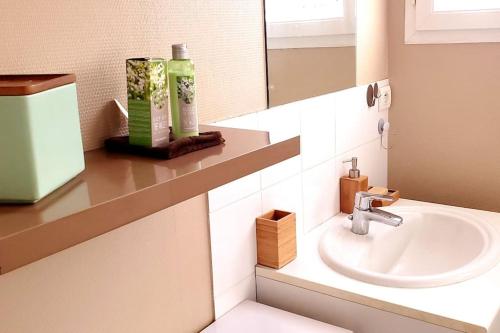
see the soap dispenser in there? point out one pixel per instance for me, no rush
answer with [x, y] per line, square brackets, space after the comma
[350, 184]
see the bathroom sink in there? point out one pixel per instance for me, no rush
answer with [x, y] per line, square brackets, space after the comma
[435, 246]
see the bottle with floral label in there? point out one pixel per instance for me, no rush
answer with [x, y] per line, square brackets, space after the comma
[147, 102]
[182, 93]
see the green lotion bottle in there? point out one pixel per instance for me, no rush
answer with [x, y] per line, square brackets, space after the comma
[182, 93]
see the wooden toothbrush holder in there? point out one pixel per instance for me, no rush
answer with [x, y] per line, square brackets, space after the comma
[276, 238]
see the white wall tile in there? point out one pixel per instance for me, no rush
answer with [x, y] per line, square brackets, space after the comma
[332, 128]
[372, 161]
[286, 195]
[278, 172]
[248, 121]
[233, 191]
[244, 290]
[319, 193]
[317, 136]
[233, 242]
[355, 123]
[282, 122]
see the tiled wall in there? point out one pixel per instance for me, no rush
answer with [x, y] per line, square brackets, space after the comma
[332, 127]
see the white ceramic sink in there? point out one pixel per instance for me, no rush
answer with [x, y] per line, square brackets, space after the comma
[435, 246]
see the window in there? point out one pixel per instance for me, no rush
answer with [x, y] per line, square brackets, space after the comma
[310, 23]
[452, 21]
[300, 10]
[465, 5]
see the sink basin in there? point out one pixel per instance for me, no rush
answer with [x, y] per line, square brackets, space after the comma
[435, 246]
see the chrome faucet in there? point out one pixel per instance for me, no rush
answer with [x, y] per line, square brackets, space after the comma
[364, 213]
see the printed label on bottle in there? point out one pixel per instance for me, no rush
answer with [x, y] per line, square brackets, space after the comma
[159, 124]
[187, 104]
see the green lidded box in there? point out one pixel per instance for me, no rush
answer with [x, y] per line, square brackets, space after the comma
[40, 141]
[147, 94]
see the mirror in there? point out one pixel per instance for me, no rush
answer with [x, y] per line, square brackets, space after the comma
[311, 48]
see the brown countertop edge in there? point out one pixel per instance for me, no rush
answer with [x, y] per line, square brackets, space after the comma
[37, 241]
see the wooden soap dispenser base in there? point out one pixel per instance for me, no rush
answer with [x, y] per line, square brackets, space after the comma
[351, 184]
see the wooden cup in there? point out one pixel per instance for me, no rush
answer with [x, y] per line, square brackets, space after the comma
[276, 239]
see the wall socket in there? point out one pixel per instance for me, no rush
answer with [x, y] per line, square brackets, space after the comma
[385, 99]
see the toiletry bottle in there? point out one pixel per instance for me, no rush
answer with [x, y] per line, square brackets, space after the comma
[182, 93]
[350, 184]
[147, 102]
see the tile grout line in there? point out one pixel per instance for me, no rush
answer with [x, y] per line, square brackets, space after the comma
[235, 285]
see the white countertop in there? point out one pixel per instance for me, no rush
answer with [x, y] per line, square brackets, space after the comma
[470, 306]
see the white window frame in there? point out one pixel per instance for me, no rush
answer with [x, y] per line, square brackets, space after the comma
[335, 32]
[424, 26]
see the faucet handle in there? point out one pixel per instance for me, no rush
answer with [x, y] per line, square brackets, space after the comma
[363, 200]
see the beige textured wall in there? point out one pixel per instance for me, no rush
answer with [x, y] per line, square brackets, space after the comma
[93, 38]
[296, 74]
[445, 120]
[372, 45]
[153, 275]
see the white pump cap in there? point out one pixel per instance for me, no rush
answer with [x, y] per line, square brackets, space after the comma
[180, 52]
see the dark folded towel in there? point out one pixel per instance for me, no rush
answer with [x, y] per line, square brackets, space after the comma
[174, 148]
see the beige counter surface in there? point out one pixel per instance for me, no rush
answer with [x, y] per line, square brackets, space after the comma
[117, 189]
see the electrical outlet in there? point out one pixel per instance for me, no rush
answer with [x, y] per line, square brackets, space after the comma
[384, 101]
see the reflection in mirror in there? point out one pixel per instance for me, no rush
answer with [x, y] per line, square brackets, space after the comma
[311, 48]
